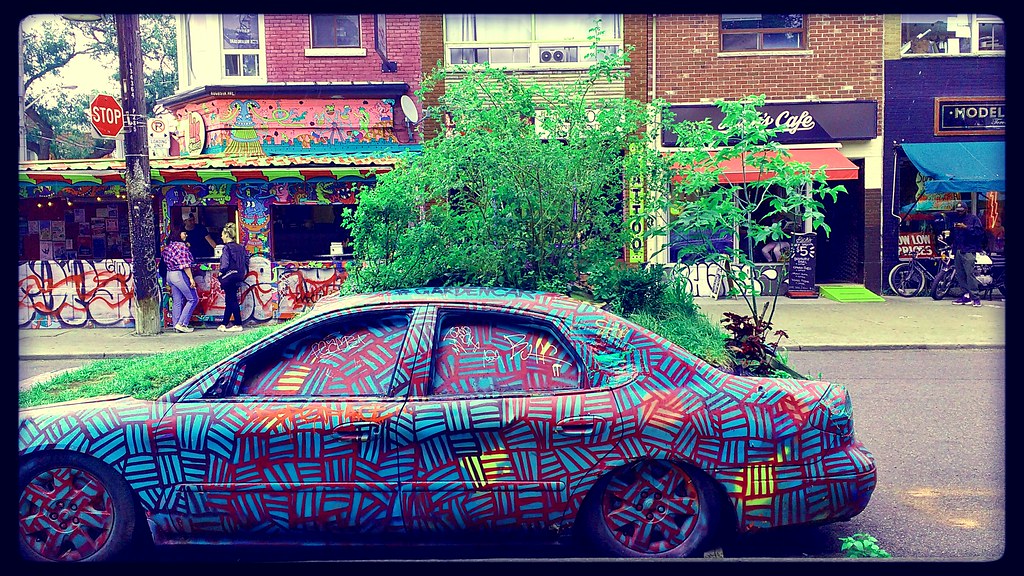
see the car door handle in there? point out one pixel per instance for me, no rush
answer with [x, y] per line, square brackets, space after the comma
[577, 426]
[357, 432]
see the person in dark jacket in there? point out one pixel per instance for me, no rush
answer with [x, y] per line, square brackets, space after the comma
[966, 236]
[233, 261]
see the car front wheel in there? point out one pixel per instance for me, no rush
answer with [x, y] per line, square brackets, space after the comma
[652, 508]
[72, 508]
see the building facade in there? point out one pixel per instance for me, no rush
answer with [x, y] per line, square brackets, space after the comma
[278, 123]
[945, 124]
[821, 75]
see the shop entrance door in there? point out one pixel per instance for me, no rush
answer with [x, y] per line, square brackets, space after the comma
[840, 256]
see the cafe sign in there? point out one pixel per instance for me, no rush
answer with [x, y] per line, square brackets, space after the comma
[798, 122]
[970, 116]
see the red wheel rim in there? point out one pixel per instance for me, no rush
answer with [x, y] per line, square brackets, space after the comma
[65, 514]
[652, 507]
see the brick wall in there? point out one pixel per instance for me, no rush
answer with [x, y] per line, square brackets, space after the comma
[288, 37]
[843, 60]
[636, 32]
[431, 52]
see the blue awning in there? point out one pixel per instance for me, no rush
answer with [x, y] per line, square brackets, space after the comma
[960, 166]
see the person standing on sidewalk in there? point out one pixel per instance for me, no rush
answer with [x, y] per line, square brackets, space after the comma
[234, 265]
[178, 260]
[966, 235]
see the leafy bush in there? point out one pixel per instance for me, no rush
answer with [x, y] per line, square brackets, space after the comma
[629, 289]
[747, 343]
[863, 545]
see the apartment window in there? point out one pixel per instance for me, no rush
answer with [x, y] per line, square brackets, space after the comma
[528, 39]
[335, 30]
[952, 34]
[749, 32]
[241, 44]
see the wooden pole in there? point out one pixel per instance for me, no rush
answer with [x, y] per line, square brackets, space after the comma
[141, 222]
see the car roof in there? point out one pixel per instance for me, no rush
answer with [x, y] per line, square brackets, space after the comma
[548, 302]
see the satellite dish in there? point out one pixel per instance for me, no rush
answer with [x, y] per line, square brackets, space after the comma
[409, 108]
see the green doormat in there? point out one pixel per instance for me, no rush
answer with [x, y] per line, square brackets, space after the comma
[848, 293]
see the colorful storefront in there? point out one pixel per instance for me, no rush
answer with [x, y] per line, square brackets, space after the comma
[841, 138]
[282, 167]
[945, 125]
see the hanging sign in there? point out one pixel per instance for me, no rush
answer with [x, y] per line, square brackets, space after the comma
[970, 116]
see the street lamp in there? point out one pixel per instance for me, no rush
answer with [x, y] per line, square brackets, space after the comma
[40, 97]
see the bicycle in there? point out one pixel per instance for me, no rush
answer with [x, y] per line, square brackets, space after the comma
[909, 279]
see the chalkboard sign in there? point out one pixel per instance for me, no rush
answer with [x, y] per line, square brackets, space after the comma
[801, 266]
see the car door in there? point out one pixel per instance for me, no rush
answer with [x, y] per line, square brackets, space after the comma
[303, 437]
[503, 424]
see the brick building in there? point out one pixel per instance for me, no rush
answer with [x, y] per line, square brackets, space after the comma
[805, 65]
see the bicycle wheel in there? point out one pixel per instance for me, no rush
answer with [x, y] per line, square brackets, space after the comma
[906, 280]
[943, 282]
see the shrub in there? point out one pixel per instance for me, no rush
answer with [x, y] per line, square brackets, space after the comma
[629, 289]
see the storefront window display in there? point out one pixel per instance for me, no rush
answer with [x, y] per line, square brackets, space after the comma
[303, 232]
[64, 229]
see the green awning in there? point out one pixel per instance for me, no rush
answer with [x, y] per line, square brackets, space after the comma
[960, 166]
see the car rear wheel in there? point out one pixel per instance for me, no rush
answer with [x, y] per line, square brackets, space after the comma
[73, 508]
[652, 508]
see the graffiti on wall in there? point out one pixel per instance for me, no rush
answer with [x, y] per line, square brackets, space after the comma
[75, 293]
[708, 279]
[257, 295]
[301, 285]
[281, 126]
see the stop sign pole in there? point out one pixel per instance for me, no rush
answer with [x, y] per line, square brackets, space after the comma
[141, 221]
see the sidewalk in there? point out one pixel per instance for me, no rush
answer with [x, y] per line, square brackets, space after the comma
[897, 323]
[812, 324]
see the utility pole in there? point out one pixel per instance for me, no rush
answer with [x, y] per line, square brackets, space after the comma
[137, 178]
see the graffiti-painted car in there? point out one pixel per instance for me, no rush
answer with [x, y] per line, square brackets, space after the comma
[433, 412]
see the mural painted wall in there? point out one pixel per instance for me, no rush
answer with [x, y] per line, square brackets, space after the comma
[284, 126]
[61, 293]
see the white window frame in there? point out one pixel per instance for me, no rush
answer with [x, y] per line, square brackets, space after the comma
[359, 50]
[261, 55]
[975, 20]
[535, 47]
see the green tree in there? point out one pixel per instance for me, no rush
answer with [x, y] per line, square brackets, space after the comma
[492, 200]
[776, 187]
[57, 122]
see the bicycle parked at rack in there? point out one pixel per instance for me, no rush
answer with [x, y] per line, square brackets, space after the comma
[913, 278]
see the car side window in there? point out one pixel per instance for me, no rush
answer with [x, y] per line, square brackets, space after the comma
[477, 353]
[354, 356]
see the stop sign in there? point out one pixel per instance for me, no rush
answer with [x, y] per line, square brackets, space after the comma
[106, 116]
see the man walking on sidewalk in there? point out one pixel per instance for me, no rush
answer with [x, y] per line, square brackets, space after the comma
[967, 234]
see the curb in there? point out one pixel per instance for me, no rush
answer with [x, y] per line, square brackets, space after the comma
[870, 347]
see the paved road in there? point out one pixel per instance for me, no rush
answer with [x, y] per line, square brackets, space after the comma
[935, 421]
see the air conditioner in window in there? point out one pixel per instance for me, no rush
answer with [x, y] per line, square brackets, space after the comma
[557, 55]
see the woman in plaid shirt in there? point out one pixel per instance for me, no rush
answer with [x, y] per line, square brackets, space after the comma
[178, 260]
